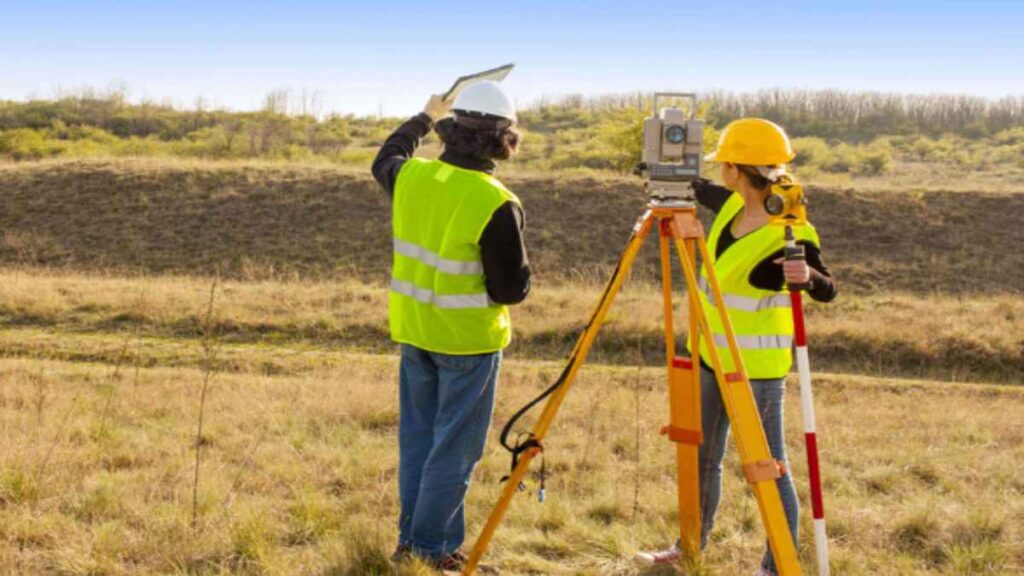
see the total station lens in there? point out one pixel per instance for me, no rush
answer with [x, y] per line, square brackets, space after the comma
[774, 204]
[675, 134]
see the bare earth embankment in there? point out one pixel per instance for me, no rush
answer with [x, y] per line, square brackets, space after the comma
[257, 219]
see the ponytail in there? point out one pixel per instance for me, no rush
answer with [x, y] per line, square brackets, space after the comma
[762, 177]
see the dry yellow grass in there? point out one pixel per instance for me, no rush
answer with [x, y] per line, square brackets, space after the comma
[908, 176]
[299, 476]
[954, 337]
[99, 385]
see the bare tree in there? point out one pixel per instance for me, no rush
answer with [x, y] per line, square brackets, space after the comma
[276, 101]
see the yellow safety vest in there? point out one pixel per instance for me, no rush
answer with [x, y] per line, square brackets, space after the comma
[762, 319]
[438, 299]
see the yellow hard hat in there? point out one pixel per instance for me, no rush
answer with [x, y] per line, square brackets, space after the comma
[753, 141]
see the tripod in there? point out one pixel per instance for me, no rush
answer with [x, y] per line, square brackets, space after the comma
[677, 224]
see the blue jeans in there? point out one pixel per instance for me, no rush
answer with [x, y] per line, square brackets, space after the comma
[446, 403]
[768, 395]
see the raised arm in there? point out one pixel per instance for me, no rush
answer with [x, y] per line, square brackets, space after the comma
[403, 142]
[710, 195]
[399, 147]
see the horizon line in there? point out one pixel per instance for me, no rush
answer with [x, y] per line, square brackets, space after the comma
[316, 97]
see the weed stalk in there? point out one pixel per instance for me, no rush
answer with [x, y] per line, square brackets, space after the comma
[211, 347]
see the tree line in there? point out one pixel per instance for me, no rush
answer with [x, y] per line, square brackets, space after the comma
[837, 114]
[596, 132]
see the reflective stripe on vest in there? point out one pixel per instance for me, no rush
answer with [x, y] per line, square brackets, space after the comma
[756, 342]
[745, 303]
[450, 302]
[431, 259]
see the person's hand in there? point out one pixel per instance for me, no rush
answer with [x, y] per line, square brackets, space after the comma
[795, 271]
[437, 107]
[699, 184]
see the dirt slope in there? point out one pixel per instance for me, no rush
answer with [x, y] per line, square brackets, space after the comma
[253, 220]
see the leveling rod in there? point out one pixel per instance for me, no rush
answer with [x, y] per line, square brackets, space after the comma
[803, 363]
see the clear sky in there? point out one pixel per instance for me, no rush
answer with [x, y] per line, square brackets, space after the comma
[371, 56]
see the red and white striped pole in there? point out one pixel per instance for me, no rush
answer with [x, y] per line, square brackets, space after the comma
[803, 364]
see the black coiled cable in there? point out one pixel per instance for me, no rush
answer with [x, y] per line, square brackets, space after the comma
[521, 445]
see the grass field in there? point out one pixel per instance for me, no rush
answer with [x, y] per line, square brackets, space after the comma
[63, 315]
[298, 473]
[110, 350]
[101, 379]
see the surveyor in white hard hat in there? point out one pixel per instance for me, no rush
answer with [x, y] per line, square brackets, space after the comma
[459, 261]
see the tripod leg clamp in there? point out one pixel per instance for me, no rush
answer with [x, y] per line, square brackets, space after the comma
[763, 470]
[734, 377]
[683, 435]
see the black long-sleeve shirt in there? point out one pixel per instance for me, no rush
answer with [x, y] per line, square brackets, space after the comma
[502, 249]
[768, 274]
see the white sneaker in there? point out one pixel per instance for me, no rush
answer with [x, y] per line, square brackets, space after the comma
[763, 572]
[666, 556]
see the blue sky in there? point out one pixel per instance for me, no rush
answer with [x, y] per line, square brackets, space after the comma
[378, 55]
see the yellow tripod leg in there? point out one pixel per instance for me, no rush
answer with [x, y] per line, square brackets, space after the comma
[746, 422]
[684, 414]
[540, 429]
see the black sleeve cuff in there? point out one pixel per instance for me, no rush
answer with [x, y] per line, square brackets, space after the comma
[823, 288]
[710, 195]
[421, 121]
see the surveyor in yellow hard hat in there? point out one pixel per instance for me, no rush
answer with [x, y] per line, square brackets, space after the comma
[459, 260]
[747, 256]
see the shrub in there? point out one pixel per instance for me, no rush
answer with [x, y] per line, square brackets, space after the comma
[361, 157]
[810, 151]
[816, 154]
[621, 137]
[26, 144]
[874, 160]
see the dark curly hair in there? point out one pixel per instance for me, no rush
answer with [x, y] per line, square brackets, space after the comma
[485, 144]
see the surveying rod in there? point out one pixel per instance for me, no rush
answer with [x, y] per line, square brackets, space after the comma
[803, 363]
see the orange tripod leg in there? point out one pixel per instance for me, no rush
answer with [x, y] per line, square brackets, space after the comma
[738, 398]
[679, 225]
[684, 413]
[579, 356]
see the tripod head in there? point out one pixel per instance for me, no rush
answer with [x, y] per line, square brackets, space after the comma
[656, 202]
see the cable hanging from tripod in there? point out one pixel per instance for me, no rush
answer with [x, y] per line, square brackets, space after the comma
[521, 445]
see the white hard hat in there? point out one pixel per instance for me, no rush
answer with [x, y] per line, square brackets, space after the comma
[485, 97]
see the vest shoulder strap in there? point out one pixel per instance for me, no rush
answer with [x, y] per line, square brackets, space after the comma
[410, 169]
[413, 165]
[730, 209]
[808, 233]
[509, 195]
[417, 168]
